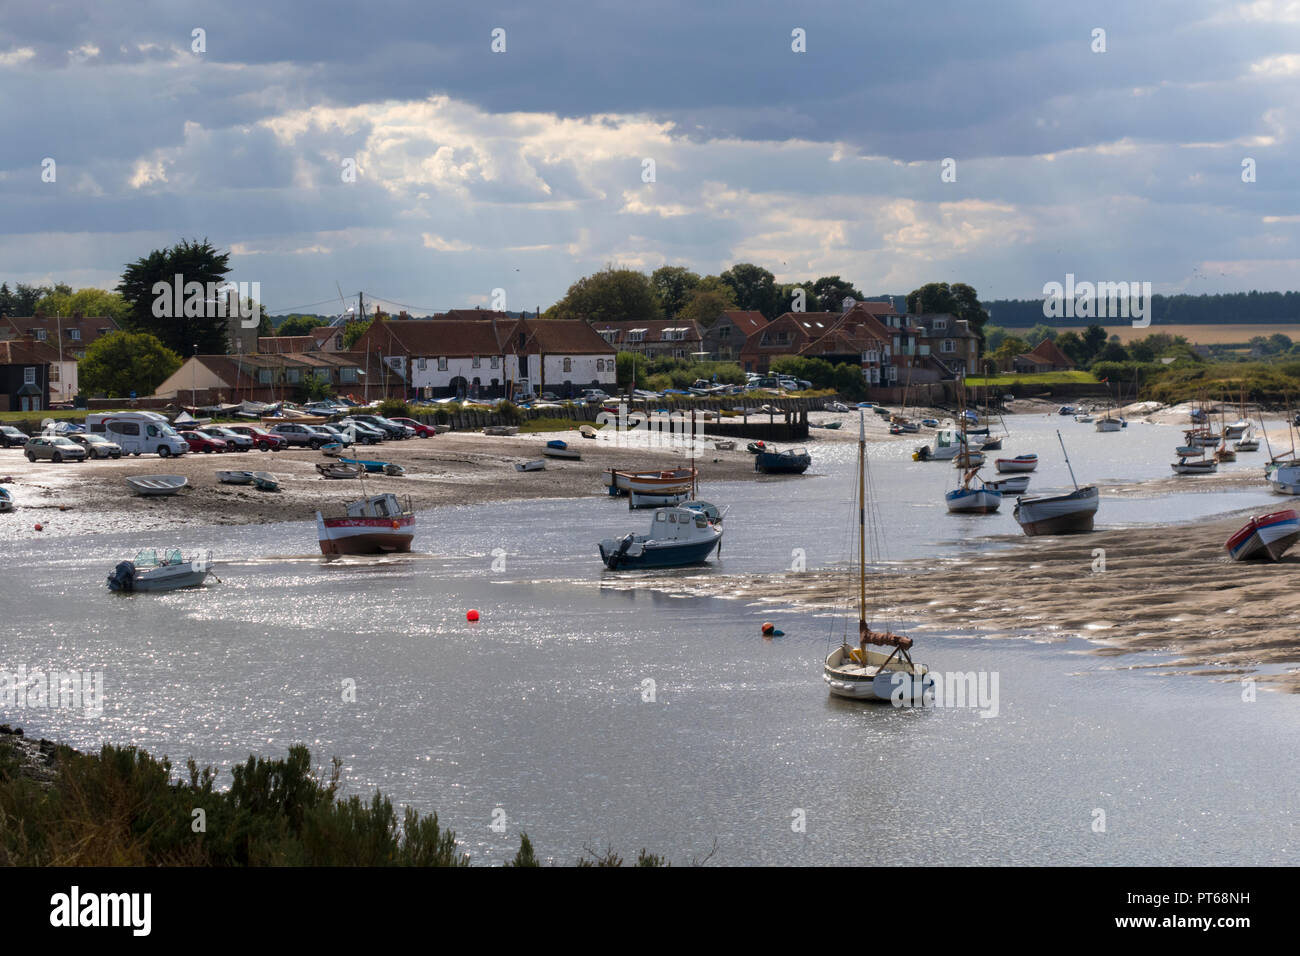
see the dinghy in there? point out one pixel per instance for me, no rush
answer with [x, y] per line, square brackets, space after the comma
[502, 430]
[651, 482]
[1059, 514]
[1267, 536]
[165, 571]
[265, 481]
[156, 486]
[641, 499]
[6, 501]
[586, 431]
[792, 461]
[1009, 486]
[235, 477]
[561, 449]
[339, 470]
[538, 465]
[379, 524]
[1017, 464]
[677, 537]
[1195, 466]
[373, 467]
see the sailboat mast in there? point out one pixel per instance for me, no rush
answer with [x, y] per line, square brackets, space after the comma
[1067, 459]
[862, 517]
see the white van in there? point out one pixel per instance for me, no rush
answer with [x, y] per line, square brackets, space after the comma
[139, 433]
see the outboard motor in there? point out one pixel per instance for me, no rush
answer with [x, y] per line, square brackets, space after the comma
[923, 453]
[123, 577]
[615, 559]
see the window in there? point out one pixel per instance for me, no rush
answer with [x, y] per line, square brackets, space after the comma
[293, 375]
[423, 363]
[636, 335]
[348, 375]
[724, 332]
[442, 363]
[54, 374]
[74, 334]
[496, 361]
[264, 376]
[600, 365]
[40, 334]
[871, 356]
[568, 365]
[477, 361]
[29, 376]
[948, 346]
[940, 324]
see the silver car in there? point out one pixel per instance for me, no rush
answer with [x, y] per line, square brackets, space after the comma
[53, 448]
[97, 446]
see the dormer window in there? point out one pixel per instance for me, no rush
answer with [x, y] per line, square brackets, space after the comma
[940, 324]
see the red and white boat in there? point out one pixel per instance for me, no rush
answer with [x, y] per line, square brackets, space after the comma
[649, 482]
[1019, 463]
[379, 524]
[1267, 536]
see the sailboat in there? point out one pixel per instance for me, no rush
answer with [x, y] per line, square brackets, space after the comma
[965, 498]
[1108, 422]
[1059, 514]
[1223, 452]
[857, 672]
[1282, 471]
[1246, 440]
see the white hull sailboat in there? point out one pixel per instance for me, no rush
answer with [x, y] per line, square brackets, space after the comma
[859, 673]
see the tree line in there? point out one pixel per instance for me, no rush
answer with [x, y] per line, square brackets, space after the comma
[1212, 309]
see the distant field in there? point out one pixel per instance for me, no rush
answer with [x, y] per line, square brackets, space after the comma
[1039, 378]
[1207, 334]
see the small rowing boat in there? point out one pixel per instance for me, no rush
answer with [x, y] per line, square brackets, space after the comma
[538, 465]
[1267, 536]
[339, 470]
[235, 477]
[156, 486]
[1017, 464]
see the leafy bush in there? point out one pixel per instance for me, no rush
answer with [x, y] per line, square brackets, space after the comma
[510, 413]
[394, 407]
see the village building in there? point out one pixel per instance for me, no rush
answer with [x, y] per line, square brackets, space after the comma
[657, 338]
[1045, 357]
[222, 379]
[68, 337]
[726, 337]
[25, 367]
[951, 342]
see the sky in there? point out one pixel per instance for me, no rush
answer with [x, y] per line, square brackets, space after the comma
[1160, 150]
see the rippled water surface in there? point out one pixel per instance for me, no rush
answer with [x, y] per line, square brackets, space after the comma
[538, 708]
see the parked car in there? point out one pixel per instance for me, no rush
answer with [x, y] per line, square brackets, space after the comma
[207, 444]
[263, 440]
[366, 434]
[337, 432]
[11, 437]
[593, 396]
[236, 440]
[54, 448]
[390, 428]
[421, 430]
[97, 446]
[302, 435]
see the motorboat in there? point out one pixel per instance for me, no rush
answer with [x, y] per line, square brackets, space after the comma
[677, 537]
[792, 461]
[166, 570]
[155, 486]
[946, 444]
[1267, 536]
[1283, 476]
[379, 524]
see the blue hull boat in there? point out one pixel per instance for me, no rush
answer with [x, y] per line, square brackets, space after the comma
[677, 537]
[374, 467]
[790, 462]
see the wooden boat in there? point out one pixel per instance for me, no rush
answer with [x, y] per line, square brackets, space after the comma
[640, 499]
[265, 481]
[858, 673]
[561, 449]
[379, 524]
[1267, 536]
[586, 431]
[168, 571]
[1017, 464]
[538, 465]
[505, 430]
[677, 537]
[1009, 486]
[672, 479]
[1059, 514]
[1195, 466]
[235, 477]
[792, 461]
[1224, 453]
[968, 459]
[6, 501]
[155, 486]
[340, 470]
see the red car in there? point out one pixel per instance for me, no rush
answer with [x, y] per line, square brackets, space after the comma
[202, 443]
[421, 431]
[263, 440]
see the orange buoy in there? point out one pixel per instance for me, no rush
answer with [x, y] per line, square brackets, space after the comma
[769, 630]
[471, 615]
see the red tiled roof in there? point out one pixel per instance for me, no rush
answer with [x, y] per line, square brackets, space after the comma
[654, 328]
[90, 327]
[28, 352]
[1047, 352]
[563, 337]
[278, 344]
[747, 322]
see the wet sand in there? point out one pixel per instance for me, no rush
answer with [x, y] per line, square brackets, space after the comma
[1172, 590]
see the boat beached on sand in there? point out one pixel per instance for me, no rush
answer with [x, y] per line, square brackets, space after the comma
[155, 486]
[1071, 513]
[792, 461]
[1267, 536]
[379, 524]
[650, 482]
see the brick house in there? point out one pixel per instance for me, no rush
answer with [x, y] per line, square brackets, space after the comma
[725, 338]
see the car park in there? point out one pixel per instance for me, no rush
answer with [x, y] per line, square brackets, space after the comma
[334, 430]
[302, 435]
[97, 446]
[421, 430]
[11, 437]
[366, 434]
[235, 440]
[54, 448]
[263, 440]
[389, 428]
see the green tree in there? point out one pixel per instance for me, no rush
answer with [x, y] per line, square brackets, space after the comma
[123, 362]
[1072, 345]
[1111, 352]
[1094, 340]
[704, 308]
[829, 293]
[297, 325]
[675, 285]
[1040, 333]
[754, 289]
[353, 330]
[1006, 353]
[631, 370]
[193, 261]
[609, 295]
[62, 301]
